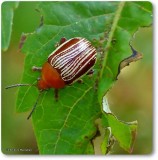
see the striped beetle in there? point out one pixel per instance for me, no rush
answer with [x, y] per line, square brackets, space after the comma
[71, 60]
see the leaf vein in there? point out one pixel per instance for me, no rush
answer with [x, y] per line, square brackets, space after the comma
[67, 117]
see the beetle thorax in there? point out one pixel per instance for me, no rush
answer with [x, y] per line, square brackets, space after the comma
[50, 78]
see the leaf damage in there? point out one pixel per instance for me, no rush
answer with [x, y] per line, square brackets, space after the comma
[133, 58]
[69, 123]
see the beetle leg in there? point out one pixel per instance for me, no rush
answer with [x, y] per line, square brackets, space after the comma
[80, 81]
[90, 72]
[34, 68]
[62, 40]
[56, 95]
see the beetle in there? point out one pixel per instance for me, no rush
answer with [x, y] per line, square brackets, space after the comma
[71, 60]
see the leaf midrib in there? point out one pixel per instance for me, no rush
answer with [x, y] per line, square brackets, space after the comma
[111, 33]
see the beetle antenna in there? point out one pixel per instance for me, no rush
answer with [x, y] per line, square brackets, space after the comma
[35, 105]
[18, 85]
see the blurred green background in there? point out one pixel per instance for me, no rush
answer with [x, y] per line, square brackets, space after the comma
[130, 98]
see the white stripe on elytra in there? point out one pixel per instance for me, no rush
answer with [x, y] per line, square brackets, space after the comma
[80, 40]
[68, 61]
[70, 74]
[71, 54]
[68, 56]
[59, 47]
[71, 64]
[71, 69]
[69, 50]
[86, 43]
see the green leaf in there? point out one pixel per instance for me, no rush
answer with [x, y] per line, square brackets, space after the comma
[121, 32]
[67, 126]
[124, 133]
[7, 21]
[106, 144]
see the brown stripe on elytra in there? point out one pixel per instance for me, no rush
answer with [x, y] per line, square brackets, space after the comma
[74, 61]
[82, 72]
[70, 55]
[84, 69]
[77, 64]
[67, 45]
[65, 57]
